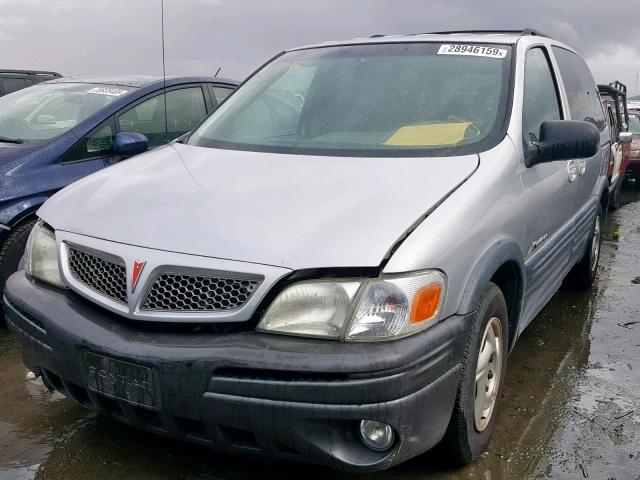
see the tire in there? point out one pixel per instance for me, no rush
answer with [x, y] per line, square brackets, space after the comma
[468, 433]
[583, 274]
[11, 252]
[614, 203]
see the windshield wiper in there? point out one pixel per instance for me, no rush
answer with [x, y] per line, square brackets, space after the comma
[11, 140]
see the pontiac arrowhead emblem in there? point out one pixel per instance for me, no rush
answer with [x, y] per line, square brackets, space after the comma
[135, 275]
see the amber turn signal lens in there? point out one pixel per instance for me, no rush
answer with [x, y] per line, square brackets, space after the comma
[425, 303]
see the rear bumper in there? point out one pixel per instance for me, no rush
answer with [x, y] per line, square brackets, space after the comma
[268, 395]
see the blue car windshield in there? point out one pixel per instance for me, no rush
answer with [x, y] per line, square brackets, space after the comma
[407, 99]
[46, 111]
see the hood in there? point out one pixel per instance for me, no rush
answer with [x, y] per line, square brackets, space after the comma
[15, 158]
[11, 151]
[293, 211]
[24, 166]
[12, 158]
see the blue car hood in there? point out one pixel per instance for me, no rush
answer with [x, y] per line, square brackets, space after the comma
[12, 151]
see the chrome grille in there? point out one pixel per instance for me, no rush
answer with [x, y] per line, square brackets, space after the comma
[192, 292]
[106, 277]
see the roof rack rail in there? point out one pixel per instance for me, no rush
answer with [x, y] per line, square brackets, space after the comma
[31, 72]
[618, 85]
[618, 91]
[523, 32]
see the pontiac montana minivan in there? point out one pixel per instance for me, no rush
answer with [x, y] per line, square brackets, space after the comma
[334, 266]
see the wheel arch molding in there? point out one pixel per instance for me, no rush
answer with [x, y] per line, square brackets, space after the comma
[502, 264]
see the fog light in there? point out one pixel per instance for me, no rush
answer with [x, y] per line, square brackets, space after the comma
[377, 436]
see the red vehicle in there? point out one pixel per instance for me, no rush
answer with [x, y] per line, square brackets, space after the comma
[633, 169]
[614, 102]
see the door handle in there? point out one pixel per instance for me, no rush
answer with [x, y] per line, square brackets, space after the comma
[582, 166]
[572, 170]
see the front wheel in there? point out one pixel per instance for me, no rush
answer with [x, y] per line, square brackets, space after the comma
[481, 381]
[583, 274]
[11, 252]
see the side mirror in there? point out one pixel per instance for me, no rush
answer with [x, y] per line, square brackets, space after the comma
[130, 143]
[564, 140]
[625, 137]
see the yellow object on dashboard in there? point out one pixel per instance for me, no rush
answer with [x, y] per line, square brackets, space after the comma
[429, 135]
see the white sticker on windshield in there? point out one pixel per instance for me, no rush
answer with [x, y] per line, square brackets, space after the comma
[472, 50]
[112, 92]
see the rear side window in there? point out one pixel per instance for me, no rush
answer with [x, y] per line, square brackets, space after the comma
[582, 93]
[221, 93]
[540, 94]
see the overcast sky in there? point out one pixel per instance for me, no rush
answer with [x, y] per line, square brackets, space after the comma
[123, 36]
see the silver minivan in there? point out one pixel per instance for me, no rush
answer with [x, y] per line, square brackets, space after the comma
[334, 266]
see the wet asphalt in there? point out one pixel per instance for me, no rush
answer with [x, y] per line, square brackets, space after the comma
[571, 405]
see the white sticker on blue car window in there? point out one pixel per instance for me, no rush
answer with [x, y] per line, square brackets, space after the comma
[112, 92]
[472, 50]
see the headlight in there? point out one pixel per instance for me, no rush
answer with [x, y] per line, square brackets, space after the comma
[358, 310]
[315, 309]
[634, 154]
[42, 255]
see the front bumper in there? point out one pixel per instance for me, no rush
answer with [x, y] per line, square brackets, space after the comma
[268, 395]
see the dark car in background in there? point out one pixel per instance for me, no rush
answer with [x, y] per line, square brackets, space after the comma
[633, 169]
[14, 80]
[614, 102]
[59, 131]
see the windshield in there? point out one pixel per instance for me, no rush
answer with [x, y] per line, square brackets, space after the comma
[634, 124]
[45, 111]
[377, 100]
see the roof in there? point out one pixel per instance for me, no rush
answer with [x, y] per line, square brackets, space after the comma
[139, 81]
[470, 36]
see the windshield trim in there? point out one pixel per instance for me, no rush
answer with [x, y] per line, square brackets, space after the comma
[487, 143]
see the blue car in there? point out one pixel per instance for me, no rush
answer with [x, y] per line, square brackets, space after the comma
[59, 131]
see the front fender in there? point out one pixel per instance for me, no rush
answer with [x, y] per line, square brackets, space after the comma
[490, 261]
[14, 213]
[601, 185]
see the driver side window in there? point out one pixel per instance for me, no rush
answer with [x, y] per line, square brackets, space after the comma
[540, 94]
[185, 108]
